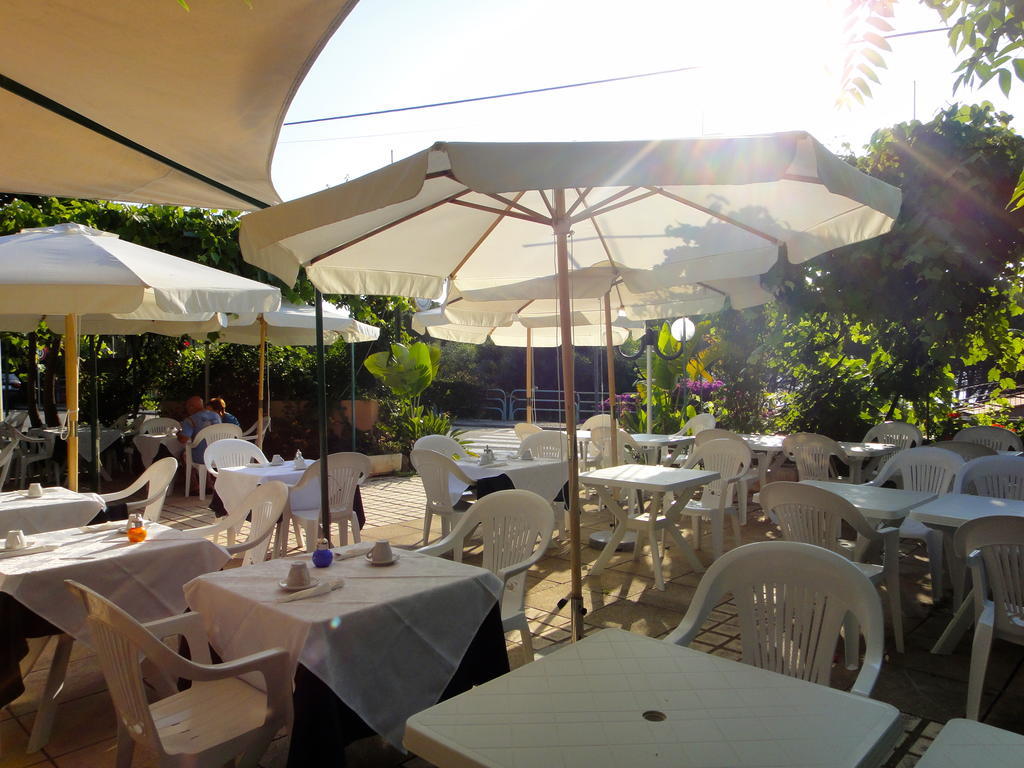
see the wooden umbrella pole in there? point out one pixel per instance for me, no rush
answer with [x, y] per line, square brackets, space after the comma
[321, 409]
[610, 356]
[262, 382]
[71, 396]
[561, 226]
[529, 376]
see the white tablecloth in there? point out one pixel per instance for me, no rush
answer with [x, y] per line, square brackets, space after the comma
[57, 508]
[387, 643]
[145, 579]
[107, 438]
[148, 445]
[542, 476]
[235, 483]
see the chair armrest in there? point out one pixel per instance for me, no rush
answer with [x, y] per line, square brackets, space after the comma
[455, 536]
[979, 585]
[189, 626]
[250, 543]
[206, 531]
[141, 503]
[524, 565]
[439, 547]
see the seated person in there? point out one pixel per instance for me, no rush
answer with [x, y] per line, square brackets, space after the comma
[198, 419]
[220, 407]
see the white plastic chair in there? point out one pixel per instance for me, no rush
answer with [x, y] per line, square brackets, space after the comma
[994, 548]
[697, 424]
[158, 426]
[965, 451]
[751, 475]
[231, 452]
[816, 516]
[263, 506]
[897, 433]
[930, 470]
[597, 420]
[345, 473]
[1001, 477]
[221, 717]
[546, 445]
[158, 476]
[251, 435]
[813, 455]
[36, 447]
[996, 438]
[731, 460]
[523, 429]
[442, 444]
[6, 459]
[208, 435]
[439, 473]
[792, 599]
[628, 450]
[516, 528]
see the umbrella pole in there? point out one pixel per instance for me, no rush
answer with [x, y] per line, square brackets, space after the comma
[2, 414]
[321, 413]
[94, 417]
[561, 227]
[610, 357]
[71, 396]
[529, 376]
[206, 372]
[262, 380]
[650, 388]
[352, 408]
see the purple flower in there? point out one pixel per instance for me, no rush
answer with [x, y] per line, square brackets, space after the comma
[701, 388]
[624, 403]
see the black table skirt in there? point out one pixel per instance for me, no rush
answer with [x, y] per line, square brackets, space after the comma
[324, 725]
[486, 485]
[17, 623]
[357, 504]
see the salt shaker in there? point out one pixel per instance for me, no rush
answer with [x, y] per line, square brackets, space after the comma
[298, 462]
[488, 456]
[323, 556]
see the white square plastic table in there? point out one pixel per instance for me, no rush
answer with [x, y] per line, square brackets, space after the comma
[619, 699]
[656, 481]
[542, 476]
[888, 505]
[144, 579]
[653, 442]
[969, 744]
[768, 446]
[946, 514]
[149, 445]
[386, 643]
[57, 508]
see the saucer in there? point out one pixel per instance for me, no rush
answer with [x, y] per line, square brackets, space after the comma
[25, 494]
[285, 586]
[392, 561]
[28, 543]
[277, 463]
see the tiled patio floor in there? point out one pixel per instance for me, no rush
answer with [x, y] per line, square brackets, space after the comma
[927, 689]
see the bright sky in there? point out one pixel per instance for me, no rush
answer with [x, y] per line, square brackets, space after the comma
[762, 66]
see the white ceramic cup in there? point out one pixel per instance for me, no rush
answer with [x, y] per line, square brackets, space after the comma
[298, 575]
[16, 539]
[277, 459]
[35, 490]
[381, 552]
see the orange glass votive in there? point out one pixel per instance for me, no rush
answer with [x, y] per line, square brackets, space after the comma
[135, 535]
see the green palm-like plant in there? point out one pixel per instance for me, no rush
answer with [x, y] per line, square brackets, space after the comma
[406, 370]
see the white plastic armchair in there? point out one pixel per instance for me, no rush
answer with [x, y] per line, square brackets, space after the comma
[897, 433]
[697, 424]
[792, 599]
[813, 455]
[231, 452]
[221, 717]
[442, 444]
[816, 516]
[263, 506]
[931, 470]
[158, 426]
[207, 435]
[1001, 477]
[997, 438]
[345, 473]
[751, 475]
[516, 528]
[629, 451]
[440, 474]
[731, 460]
[523, 429]
[965, 451]
[158, 477]
[6, 459]
[994, 548]
[546, 445]
[597, 420]
[251, 433]
[35, 447]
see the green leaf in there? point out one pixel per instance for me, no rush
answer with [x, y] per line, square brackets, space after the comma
[877, 40]
[1005, 81]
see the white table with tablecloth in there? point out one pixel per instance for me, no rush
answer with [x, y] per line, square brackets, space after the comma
[235, 483]
[542, 476]
[386, 643]
[57, 508]
[149, 445]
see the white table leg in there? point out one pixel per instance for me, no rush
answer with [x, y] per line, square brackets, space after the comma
[673, 517]
[618, 532]
[43, 725]
[957, 627]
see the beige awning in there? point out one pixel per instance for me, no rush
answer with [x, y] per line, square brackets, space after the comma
[206, 89]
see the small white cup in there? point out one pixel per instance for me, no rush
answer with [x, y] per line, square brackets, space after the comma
[35, 490]
[298, 575]
[277, 459]
[16, 539]
[381, 552]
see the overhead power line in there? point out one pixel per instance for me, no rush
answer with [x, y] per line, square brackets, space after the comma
[547, 89]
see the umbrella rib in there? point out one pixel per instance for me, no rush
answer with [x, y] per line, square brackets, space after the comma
[26, 93]
[508, 213]
[607, 205]
[717, 215]
[385, 227]
[515, 204]
[484, 236]
[580, 197]
[547, 203]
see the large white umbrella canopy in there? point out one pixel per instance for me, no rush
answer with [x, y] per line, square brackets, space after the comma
[73, 270]
[433, 323]
[150, 102]
[294, 325]
[570, 221]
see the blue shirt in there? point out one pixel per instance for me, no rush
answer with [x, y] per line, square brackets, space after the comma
[195, 424]
[228, 418]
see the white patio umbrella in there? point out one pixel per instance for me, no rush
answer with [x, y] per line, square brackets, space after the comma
[569, 221]
[295, 325]
[73, 270]
[152, 102]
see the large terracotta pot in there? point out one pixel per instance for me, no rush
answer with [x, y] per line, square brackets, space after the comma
[367, 413]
